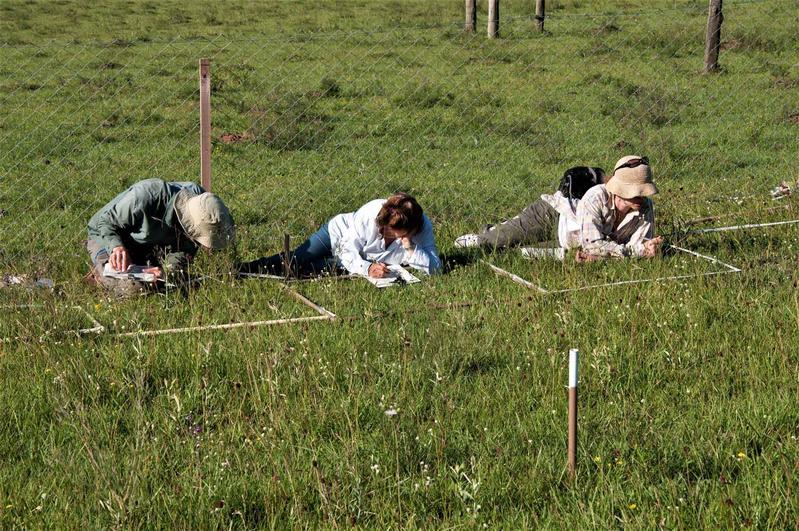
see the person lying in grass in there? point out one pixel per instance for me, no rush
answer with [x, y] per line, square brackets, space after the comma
[617, 218]
[365, 242]
[600, 216]
[158, 224]
[551, 219]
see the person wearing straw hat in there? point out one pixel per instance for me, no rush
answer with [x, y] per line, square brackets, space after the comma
[551, 219]
[156, 224]
[617, 218]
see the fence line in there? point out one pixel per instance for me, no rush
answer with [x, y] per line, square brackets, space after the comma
[389, 116]
[300, 36]
[75, 130]
[30, 227]
[390, 96]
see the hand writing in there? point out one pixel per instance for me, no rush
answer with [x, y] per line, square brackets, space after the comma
[378, 270]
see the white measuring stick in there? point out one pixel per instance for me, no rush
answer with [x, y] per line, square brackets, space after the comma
[739, 227]
[730, 269]
[516, 278]
[262, 275]
[706, 257]
[226, 326]
[643, 280]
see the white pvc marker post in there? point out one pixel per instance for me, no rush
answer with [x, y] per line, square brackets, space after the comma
[573, 359]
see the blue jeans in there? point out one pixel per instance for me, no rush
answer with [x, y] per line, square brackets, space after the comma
[313, 257]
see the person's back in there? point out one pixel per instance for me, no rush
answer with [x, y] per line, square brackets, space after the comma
[157, 224]
[143, 218]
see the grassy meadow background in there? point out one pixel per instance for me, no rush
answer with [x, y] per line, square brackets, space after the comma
[688, 392]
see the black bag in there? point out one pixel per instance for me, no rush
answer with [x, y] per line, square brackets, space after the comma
[576, 181]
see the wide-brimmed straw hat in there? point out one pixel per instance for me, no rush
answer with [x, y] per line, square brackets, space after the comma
[632, 177]
[205, 219]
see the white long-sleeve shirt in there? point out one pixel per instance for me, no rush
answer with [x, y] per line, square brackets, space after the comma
[568, 225]
[357, 243]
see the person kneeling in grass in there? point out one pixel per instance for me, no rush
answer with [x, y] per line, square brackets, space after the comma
[383, 232]
[157, 224]
[617, 219]
[552, 219]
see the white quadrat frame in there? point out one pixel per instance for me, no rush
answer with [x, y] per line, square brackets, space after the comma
[742, 227]
[324, 315]
[284, 280]
[99, 329]
[530, 285]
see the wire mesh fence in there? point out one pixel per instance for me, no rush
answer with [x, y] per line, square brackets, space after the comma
[309, 125]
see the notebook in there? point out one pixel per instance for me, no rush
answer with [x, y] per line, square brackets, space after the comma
[398, 275]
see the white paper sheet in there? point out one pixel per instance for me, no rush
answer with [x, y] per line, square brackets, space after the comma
[134, 272]
[398, 275]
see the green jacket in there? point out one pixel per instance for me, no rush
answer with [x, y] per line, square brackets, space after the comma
[143, 220]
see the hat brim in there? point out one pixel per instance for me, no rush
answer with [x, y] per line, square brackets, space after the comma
[186, 222]
[205, 241]
[213, 240]
[631, 191]
[217, 241]
[210, 239]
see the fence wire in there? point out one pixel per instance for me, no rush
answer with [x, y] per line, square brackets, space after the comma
[309, 125]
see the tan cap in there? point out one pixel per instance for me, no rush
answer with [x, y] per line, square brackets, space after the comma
[632, 177]
[206, 219]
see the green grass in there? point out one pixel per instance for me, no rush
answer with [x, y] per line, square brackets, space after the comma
[688, 415]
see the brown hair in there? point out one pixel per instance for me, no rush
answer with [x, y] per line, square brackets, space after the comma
[400, 212]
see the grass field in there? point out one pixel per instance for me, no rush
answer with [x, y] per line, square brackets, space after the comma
[688, 388]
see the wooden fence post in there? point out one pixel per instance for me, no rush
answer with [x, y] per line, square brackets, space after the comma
[713, 36]
[540, 9]
[471, 16]
[493, 19]
[205, 123]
